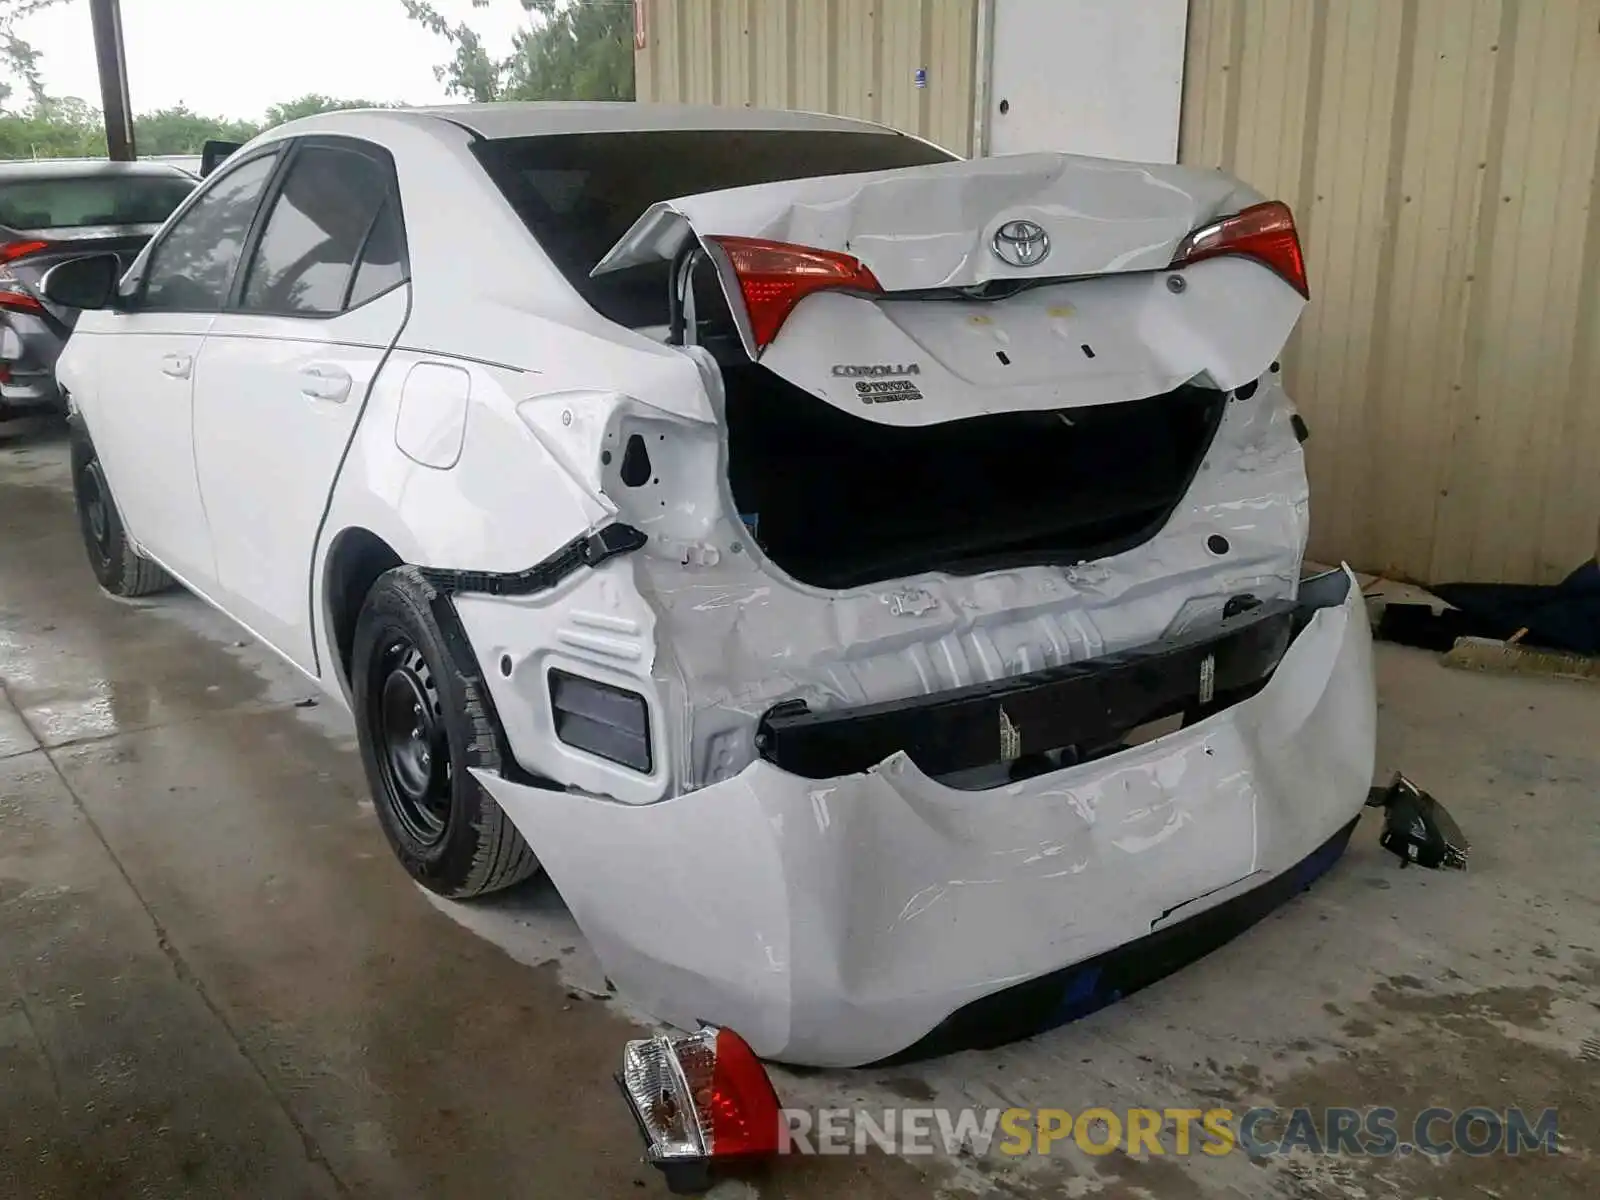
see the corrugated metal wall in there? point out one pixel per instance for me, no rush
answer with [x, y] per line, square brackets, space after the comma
[1441, 159]
[854, 57]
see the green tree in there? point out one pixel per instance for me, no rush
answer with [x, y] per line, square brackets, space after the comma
[577, 50]
[16, 55]
[60, 129]
[66, 127]
[471, 72]
[179, 130]
[310, 105]
[572, 50]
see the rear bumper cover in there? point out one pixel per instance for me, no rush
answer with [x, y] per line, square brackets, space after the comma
[838, 922]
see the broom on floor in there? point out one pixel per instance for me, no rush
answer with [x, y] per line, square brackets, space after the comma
[1513, 657]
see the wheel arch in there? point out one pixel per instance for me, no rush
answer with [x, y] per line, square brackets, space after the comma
[80, 450]
[356, 558]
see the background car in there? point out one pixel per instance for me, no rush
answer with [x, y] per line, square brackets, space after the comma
[55, 210]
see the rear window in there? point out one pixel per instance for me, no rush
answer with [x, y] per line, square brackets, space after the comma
[91, 200]
[579, 193]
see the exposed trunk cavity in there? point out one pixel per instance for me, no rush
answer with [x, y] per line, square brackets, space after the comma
[838, 501]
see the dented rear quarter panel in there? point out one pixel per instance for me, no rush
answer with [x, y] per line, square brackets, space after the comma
[522, 483]
[699, 621]
[714, 634]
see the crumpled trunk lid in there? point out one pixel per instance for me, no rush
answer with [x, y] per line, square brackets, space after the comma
[960, 331]
[933, 227]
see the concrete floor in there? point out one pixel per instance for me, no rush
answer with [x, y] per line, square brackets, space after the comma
[214, 980]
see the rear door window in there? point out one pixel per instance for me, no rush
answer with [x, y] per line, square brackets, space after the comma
[322, 221]
[383, 258]
[192, 267]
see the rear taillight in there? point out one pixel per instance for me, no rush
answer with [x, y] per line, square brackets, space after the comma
[14, 295]
[11, 251]
[775, 276]
[14, 298]
[1264, 232]
[700, 1099]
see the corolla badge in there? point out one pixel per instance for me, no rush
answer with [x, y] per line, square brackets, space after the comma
[1021, 243]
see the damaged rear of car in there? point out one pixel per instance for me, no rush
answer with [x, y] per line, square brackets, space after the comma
[944, 669]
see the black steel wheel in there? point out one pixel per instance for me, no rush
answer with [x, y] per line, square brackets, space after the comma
[424, 723]
[94, 510]
[118, 567]
[415, 755]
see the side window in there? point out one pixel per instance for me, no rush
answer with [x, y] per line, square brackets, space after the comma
[308, 254]
[383, 258]
[192, 267]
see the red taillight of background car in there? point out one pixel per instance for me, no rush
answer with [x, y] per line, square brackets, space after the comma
[1264, 232]
[14, 298]
[13, 295]
[775, 276]
[11, 251]
[700, 1099]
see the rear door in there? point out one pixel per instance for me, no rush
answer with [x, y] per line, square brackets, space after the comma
[141, 416]
[283, 377]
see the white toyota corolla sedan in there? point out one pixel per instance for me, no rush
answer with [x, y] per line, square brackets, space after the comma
[867, 581]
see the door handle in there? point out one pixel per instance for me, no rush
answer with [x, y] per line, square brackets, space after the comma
[177, 365]
[325, 383]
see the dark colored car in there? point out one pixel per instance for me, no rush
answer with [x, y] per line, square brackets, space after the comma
[51, 211]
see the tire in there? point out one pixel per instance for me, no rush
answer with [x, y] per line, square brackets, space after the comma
[422, 723]
[119, 568]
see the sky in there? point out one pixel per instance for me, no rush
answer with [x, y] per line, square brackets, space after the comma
[236, 58]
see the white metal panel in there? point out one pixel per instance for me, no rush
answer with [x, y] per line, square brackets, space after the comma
[1101, 77]
[857, 928]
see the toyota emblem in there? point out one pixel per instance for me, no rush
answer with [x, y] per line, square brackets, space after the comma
[1021, 243]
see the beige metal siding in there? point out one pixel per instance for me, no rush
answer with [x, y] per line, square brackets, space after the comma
[854, 57]
[1441, 158]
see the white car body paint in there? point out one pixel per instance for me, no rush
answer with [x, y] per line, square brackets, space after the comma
[432, 422]
[743, 636]
[932, 226]
[149, 441]
[834, 922]
[276, 402]
[828, 921]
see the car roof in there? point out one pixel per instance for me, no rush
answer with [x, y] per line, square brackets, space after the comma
[534, 118]
[84, 168]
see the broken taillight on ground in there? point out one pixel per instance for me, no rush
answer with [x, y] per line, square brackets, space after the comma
[702, 1100]
[1416, 827]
